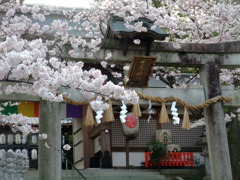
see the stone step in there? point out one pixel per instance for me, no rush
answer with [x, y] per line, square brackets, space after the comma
[105, 174]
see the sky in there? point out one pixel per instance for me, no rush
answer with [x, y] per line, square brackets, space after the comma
[61, 3]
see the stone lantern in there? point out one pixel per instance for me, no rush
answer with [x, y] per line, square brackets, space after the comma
[203, 143]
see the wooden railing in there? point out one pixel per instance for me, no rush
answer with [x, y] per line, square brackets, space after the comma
[171, 159]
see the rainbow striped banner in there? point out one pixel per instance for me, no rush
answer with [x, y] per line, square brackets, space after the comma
[31, 109]
[71, 111]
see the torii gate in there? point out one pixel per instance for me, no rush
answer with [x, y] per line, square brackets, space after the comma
[209, 58]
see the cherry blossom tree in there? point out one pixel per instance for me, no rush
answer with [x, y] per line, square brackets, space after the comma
[32, 58]
[194, 21]
[34, 54]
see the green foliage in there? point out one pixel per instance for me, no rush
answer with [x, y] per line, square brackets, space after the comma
[172, 37]
[226, 109]
[158, 150]
[181, 15]
[185, 36]
[156, 146]
[157, 3]
[215, 34]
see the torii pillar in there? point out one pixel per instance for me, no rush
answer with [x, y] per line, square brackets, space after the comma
[215, 124]
[49, 160]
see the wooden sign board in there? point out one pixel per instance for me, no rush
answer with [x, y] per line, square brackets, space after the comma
[140, 71]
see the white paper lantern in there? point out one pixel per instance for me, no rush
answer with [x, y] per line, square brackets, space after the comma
[34, 139]
[34, 154]
[10, 139]
[24, 139]
[2, 139]
[18, 151]
[25, 152]
[18, 139]
[2, 153]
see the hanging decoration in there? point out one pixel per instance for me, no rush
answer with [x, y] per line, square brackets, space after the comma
[163, 118]
[136, 110]
[150, 111]
[174, 113]
[123, 112]
[108, 115]
[186, 121]
[99, 116]
[181, 102]
[89, 119]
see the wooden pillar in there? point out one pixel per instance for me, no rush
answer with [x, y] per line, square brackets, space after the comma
[88, 145]
[78, 150]
[215, 124]
[106, 152]
[105, 135]
[49, 160]
[127, 153]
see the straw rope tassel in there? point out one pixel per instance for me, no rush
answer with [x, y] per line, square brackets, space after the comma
[108, 115]
[89, 119]
[136, 110]
[186, 121]
[163, 118]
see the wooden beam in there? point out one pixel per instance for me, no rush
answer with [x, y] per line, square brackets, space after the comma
[97, 130]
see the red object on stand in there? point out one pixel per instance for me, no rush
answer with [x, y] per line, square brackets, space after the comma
[171, 159]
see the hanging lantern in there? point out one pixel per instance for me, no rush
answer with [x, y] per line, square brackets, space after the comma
[2, 139]
[18, 139]
[24, 139]
[34, 154]
[18, 151]
[25, 152]
[10, 139]
[131, 126]
[34, 139]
